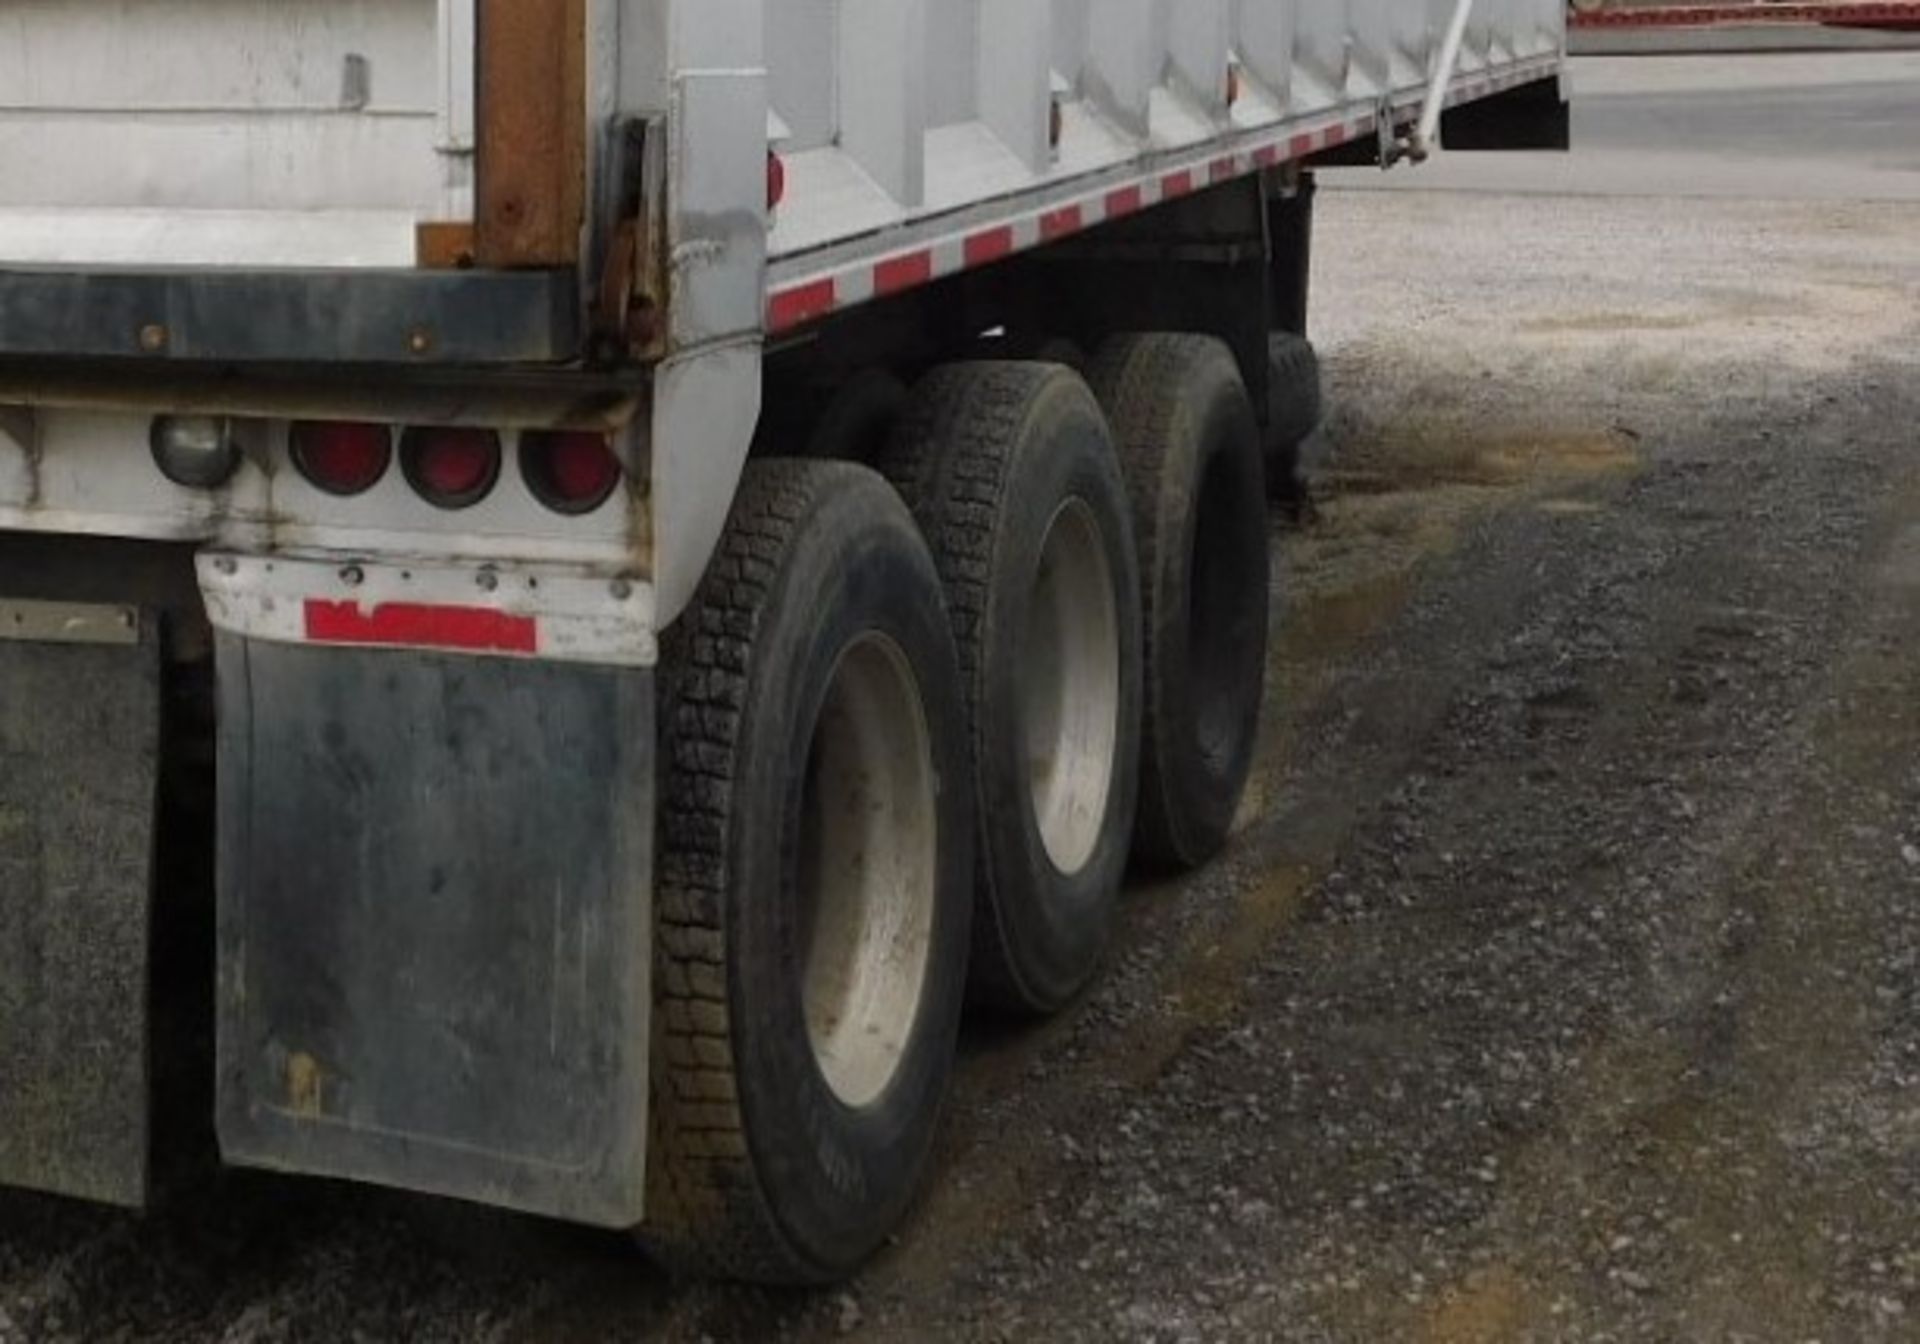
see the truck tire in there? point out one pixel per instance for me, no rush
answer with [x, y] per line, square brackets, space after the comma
[1295, 406]
[814, 884]
[1191, 451]
[1010, 469]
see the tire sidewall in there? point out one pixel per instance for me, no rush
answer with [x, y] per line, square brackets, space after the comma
[1213, 425]
[1065, 454]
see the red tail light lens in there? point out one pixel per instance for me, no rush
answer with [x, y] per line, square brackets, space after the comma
[451, 468]
[776, 180]
[570, 471]
[342, 458]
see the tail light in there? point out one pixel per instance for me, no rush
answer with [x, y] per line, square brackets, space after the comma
[195, 451]
[451, 468]
[570, 471]
[340, 457]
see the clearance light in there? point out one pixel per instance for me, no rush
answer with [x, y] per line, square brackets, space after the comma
[776, 180]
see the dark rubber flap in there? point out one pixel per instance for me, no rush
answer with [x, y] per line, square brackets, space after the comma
[79, 757]
[434, 920]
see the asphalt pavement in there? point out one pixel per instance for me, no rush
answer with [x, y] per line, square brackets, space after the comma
[1563, 979]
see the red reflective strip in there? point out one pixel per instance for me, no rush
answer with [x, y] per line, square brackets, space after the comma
[467, 629]
[1125, 201]
[1300, 146]
[1266, 156]
[989, 245]
[803, 303]
[1059, 223]
[1175, 184]
[1220, 170]
[898, 273]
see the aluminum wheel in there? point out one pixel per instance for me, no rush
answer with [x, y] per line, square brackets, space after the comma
[868, 870]
[1070, 691]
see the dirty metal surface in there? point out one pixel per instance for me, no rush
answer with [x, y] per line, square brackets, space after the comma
[79, 756]
[410, 318]
[433, 914]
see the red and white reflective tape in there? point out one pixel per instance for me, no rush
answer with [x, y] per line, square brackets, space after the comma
[552, 613]
[801, 294]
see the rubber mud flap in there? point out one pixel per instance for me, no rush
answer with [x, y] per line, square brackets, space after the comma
[434, 917]
[79, 764]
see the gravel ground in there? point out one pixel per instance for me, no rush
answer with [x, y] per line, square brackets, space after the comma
[1563, 981]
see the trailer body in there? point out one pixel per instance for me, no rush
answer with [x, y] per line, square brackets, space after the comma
[248, 246]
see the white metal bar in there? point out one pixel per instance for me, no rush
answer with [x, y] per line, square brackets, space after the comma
[1421, 145]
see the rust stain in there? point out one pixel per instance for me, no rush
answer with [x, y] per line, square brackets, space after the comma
[1492, 1304]
[1612, 322]
[305, 1085]
[444, 246]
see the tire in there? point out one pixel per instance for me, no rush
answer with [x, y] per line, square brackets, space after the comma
[1010, 470]
[1295, 407]
[1190, 448]
[814, 884]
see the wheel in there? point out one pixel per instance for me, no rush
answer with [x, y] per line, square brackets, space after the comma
[1191, 452]
[1010, 470]
[1294, 407]
[814, 884]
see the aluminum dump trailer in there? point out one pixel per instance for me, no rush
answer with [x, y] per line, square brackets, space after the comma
[578, 577]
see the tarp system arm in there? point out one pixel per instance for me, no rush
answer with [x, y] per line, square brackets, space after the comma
[1419, 145]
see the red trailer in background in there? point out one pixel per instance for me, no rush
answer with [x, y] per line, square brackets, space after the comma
[1892, 15]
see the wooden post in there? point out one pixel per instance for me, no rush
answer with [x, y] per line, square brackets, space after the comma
[531, 190]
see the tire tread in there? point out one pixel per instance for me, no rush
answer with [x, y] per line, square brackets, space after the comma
[707, 1213]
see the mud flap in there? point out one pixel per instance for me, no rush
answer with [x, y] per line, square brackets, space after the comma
[79, 765]
[434, 923]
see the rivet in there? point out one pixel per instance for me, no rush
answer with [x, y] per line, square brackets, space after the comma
[488, 580]
[419, 340]
[153, 338]
[225, 565]
[622, 590]
[353, 576]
